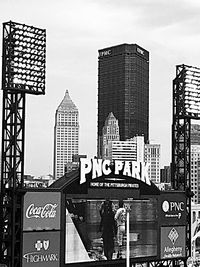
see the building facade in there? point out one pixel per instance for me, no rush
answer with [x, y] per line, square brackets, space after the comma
[66, 134]
[195, 134]
[43, 181]
[152, 158]
[195, 172]
[110, 133]
[165, 174]
[129, 150]
[123, 88]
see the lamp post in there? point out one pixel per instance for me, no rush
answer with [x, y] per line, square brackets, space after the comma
[23, 72]
[128, 208]
[186, 99]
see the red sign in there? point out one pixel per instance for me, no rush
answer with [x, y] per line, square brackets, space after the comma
[41, 211]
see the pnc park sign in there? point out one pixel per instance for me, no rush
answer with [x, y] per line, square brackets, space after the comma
[99, 167]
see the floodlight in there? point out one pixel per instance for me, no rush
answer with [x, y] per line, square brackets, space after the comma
[24, 56]
[188, 80]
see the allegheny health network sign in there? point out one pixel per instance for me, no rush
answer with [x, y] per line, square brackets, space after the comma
[173, 242]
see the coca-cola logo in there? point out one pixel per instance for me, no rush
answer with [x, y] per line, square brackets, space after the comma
[44, 212]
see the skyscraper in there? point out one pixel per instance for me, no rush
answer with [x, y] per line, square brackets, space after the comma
[129, 150]
[152, 157]
[195, 172]
[195, 134]
[123, 88]
[66, 134]
[110, 133]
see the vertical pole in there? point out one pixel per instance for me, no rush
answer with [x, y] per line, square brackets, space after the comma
[127, 240]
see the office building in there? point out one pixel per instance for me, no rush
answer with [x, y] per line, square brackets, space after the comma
[129, 150]
[123, 88]
[43, 181]
[165, 174]
[152, 158]
[74, 165]
[195, 173]
[195, 134]
[110, 133]
[66, 134]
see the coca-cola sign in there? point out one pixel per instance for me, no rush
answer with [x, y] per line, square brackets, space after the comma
[47, 211]
[41, 211]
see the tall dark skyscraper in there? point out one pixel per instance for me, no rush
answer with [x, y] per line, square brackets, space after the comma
[123, 88]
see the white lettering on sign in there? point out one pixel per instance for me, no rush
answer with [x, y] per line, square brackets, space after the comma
[47, 211]
[172, 206]
[105, 53]
[139, 50]
[120, 185]
[98, 167]
[33, 258]
[177, 206]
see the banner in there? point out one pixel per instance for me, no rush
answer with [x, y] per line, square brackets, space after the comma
[41, 249]
[173, 209]
[41, 211]
[173, 242]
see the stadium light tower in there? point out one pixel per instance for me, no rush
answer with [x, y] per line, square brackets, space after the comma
[186, 106]
[23, 71]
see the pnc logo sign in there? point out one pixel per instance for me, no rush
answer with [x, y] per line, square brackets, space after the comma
[139, 50]
[173, 208]
[168, 206]
[105, 53]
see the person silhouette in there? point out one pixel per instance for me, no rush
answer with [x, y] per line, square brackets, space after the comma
[108, 229]
[120, 218]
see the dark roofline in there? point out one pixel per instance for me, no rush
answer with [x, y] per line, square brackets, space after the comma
[65, 180]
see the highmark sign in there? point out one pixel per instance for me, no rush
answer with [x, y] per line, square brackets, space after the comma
[41, 249]
[99, 167]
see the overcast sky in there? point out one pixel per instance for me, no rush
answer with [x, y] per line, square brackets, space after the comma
[76, 29]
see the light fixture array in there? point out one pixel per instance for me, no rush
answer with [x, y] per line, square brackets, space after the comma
[25, 58]
[192, 91]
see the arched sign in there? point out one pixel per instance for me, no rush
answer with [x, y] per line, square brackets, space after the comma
[94, 201]
[97, 199]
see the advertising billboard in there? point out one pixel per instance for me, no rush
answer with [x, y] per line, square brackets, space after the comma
[41, 211]
[96, 229]
[173, 242]
[41, 249]
[173, 208]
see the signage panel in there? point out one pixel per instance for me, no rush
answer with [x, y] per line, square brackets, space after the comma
[173, 208]
[96, 229]
[41, 249]
[99, 167]
[173, 242]
[41, 211]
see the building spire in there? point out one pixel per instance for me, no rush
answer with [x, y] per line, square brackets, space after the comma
[67, 103]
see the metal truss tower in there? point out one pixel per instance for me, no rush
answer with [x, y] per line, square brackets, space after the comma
[186, 106]
[23, 71]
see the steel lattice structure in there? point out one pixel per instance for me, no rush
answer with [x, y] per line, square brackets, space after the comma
[23, 71]
[186, 106]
